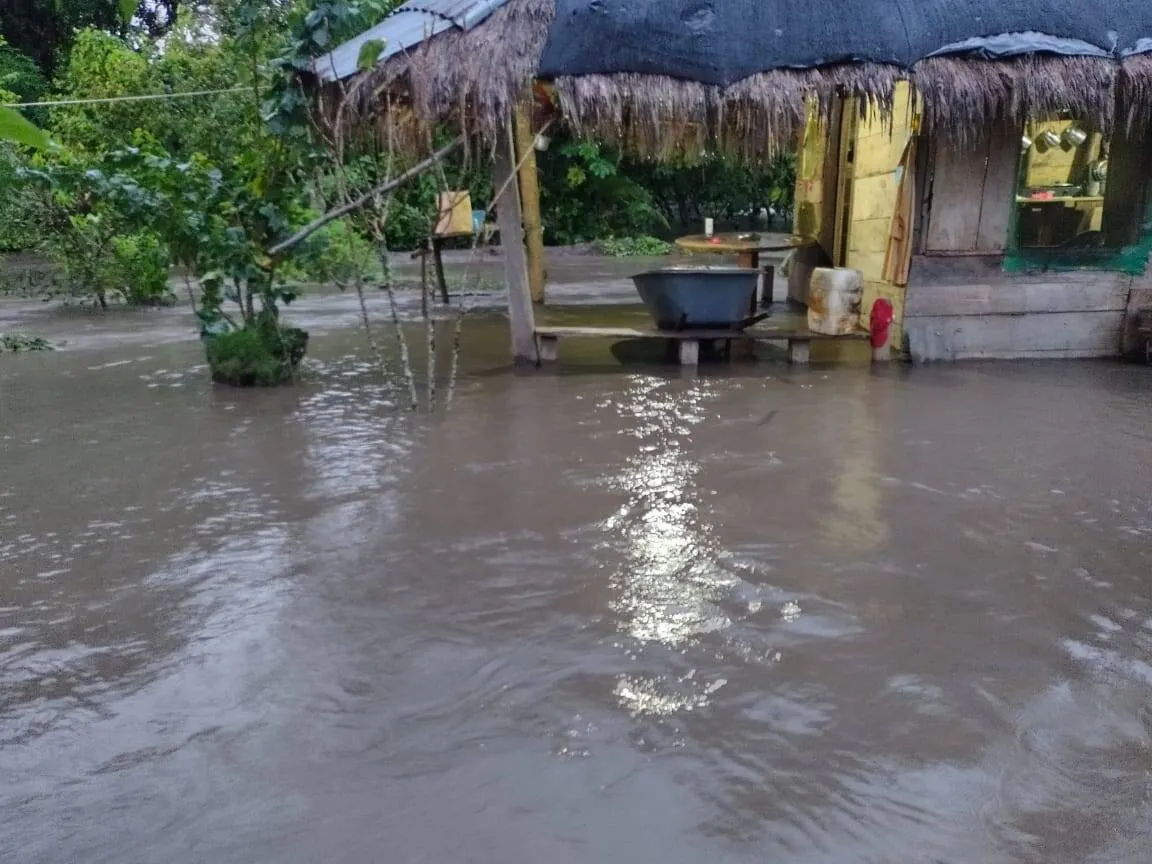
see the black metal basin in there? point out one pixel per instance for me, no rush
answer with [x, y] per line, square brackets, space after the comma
[697, 298]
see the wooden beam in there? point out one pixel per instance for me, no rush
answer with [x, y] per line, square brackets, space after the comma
[751, 334]
[521, 318]
[530, 200]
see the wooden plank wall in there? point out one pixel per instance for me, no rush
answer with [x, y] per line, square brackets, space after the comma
[961, 304]
[973, 192]
[968, 307]
[815, 204]
[879, 148]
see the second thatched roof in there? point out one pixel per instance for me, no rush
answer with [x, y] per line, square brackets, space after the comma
[668, 76]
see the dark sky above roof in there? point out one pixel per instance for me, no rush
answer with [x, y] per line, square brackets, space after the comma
[722, 41]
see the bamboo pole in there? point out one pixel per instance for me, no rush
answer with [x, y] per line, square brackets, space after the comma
[530, 199]
[521, 318]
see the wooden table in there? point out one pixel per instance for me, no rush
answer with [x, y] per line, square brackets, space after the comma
[747, 247]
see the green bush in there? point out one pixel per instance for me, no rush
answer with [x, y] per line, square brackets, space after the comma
[139, 269]
[20, 81]
[98, 262]
[262, 355]
[336, 254]
[623, 247]
[19, 228]
[585, 196]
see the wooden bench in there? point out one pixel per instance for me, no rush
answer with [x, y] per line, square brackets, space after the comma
[798, 339]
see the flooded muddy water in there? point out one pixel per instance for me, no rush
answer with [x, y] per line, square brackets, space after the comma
[810, 616]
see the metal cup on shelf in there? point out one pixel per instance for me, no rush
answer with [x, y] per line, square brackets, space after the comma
[1073, 137]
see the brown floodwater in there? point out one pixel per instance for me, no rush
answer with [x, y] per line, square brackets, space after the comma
[607, 614]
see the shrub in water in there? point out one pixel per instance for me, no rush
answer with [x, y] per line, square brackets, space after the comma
[139, 269]
[262, 355]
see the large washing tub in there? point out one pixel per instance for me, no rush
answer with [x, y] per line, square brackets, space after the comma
[683, 298]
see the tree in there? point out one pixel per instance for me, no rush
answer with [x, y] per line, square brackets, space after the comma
[103, 65]
[42, 29]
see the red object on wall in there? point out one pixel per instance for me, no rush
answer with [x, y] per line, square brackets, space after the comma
[879, 321]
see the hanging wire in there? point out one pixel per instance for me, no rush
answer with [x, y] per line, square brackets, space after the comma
[104, 100]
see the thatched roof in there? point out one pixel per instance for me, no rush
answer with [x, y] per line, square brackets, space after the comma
[663, 76]
[472, 61]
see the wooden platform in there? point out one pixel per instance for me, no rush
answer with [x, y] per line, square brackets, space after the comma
[798, 339]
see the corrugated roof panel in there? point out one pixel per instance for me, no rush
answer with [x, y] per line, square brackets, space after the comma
[407, 27]
[400, 31]
[465, 14]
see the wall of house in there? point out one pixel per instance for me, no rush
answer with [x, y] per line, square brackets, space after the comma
[815, 204]
[962, 301]
[1139, 300]
[970, 192]
[969, 307]
[879, 148]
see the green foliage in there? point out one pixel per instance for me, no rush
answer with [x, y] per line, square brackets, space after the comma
[21, 80]
[336, 254]
[261, 354]
[721, 188]
[139, 269]
[43, 29]
[19, 228]
[82, 251]
[16, 128]
[100, 262]
[15, 342]
[622, 247]
[104, 66]
[585, 196]
[370, 52]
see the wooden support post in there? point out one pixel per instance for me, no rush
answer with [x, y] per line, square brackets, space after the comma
[798, 352]
[689, 352]
[530, 200]
[548, 348]
[766, 286]
[521, 318]
[438, 259]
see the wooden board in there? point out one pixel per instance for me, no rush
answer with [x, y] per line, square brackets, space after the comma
[844, 178]
[870, 264]
[1103, 293]
[875, 198]
[1132, 342]
[871, 235]
[998, 200]
[766, 334]
[951, 268]
[954, 220]
[880, 152]
[1058, 334]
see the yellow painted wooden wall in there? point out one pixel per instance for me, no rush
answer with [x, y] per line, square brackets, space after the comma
[879, 148]
[810, 191]
[1056, 165]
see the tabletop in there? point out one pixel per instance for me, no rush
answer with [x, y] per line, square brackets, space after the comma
[733, 242]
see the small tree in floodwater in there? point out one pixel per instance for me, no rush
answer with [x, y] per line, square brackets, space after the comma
[239, 220]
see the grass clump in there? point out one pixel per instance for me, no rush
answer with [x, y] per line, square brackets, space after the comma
[628, 247]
